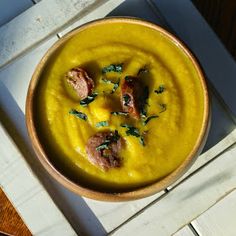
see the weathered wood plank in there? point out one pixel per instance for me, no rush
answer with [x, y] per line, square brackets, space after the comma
[185, 231]
[16, 77]
[10, 9]
[39, 22]
[133, 8]
[111, 215]
[100, 12]
[219, 219]
[217, 63]
[10, 221]
[26, 193]
[189, 200]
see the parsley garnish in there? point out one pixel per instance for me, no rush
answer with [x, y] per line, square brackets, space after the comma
[84, 102]
[104, 145]
[149, 118]
[163, 107]
[131, 130]
[113, 68]
[126, 99]
[116, 85]
[102, 124]
[78, 114]
[141, 140]
[161, 89]
[122, 113]
[109, 140]
[106, 81]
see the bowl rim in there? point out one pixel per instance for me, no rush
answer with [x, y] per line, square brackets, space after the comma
[146, 190]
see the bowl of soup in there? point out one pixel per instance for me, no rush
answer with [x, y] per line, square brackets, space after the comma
[117, 109]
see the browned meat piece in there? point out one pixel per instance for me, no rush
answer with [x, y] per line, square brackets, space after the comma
[80, 81]
[103, 148]
[130, 96]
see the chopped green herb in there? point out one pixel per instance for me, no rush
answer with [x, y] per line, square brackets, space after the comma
[126, 126]
[161, 89]
[88, 99]
[111, 139]
[149, 118]
[78, 114]
[141, 140]
[143, 70]
[113, 68]
[126, 99]
[102, 124]
[106, 81]
[104, 145]
[163, 107]
[134, 132]
[131, 130]
[122, 113]
[143, 110]
[116, 85]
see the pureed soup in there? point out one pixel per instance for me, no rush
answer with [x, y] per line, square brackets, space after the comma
[119, 105]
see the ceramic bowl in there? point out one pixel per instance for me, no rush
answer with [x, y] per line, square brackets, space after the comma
[110, 195]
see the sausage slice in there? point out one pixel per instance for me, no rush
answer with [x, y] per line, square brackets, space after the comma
[130, 96]
[79, 79]
[103, 148]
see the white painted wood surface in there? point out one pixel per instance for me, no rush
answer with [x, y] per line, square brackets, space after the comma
[97, 13]
[96, 218]
[38, 23]
[185, 231]
[220, 219]
[27, 194]
[12, 8]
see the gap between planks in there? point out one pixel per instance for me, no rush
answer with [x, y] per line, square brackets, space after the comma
[194, 231]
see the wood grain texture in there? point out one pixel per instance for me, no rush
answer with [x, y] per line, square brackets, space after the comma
[32, 202]
[221, 15]
[10, 221]
[185, 231]
[219, 219]
[97, 13]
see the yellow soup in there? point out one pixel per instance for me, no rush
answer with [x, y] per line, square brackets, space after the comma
[169, 138]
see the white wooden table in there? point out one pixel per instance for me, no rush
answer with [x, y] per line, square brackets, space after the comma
[202, 202]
